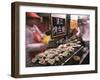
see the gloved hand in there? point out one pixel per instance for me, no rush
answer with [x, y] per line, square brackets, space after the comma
[46, 39]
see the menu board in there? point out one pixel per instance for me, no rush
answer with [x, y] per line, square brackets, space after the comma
[58, 27]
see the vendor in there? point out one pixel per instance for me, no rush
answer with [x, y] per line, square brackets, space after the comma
[84, 31]
[34, 37]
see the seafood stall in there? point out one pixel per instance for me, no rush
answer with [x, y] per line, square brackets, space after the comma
[59, 39]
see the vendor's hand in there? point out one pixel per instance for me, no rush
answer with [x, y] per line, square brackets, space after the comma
[77, 35]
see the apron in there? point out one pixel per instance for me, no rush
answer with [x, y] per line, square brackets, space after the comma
[36, 36]
[37, 39]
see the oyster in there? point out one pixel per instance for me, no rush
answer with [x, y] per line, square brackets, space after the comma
[57, 58]
[51, 61]
[42, 62]
[34, 60]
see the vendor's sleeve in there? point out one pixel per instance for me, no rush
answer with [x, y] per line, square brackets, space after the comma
[33, 47]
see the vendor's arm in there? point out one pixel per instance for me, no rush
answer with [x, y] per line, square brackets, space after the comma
[42, 34]
[31, 45]
[35, 47]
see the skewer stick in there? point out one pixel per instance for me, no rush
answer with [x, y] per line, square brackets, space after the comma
[72, 55]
